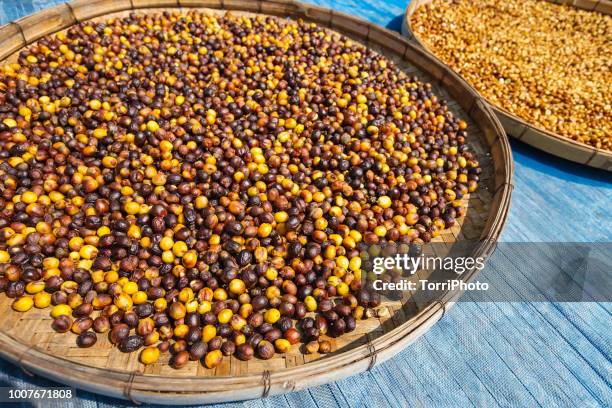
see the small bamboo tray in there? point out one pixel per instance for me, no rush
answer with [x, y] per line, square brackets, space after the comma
[28, 340]
[516, 127]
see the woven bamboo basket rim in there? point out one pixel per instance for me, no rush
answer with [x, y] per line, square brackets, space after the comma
[140, 386]
[517, 127]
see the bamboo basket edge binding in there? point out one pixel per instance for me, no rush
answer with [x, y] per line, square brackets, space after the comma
[518, 128]
[151, 388]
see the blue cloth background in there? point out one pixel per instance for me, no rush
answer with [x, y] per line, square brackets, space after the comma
[479, 354]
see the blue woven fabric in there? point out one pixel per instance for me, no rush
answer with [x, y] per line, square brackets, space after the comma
[479, 354]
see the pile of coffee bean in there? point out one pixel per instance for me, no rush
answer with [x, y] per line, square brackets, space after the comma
[547, 63]
[201, 184]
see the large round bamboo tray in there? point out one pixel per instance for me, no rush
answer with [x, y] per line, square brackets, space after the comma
[28, 340]
[518, 128]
